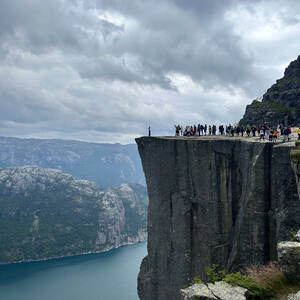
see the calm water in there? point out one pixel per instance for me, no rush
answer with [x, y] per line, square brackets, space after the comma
[106, 276]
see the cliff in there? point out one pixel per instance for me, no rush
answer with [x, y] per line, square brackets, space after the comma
[45, 213]
[213, 200]
[280, 104]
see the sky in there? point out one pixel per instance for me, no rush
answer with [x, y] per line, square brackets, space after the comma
[104, 70]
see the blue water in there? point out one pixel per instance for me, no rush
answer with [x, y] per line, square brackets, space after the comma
[106, 276]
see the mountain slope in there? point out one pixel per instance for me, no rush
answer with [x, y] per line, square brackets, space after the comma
[281, 102]
[105, 164]
[46, 213]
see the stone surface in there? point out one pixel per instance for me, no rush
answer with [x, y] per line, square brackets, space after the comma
[45, 213]
[197, 291]
[281, 102]
[213, 200]
[289, 259]
[219, 290]
[297, 236]
[294, 296]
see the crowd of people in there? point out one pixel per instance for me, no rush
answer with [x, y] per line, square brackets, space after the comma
[263, 132]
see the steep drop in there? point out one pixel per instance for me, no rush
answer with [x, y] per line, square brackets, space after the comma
[213, 201]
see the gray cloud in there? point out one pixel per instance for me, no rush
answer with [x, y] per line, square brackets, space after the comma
[104, 70]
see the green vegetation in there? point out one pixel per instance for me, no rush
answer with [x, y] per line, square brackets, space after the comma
[272, 106]
[213, 274]
[62, 216]
[295, 154]
[255, 291]
[197, 280]
[292, 235]
[262, 282]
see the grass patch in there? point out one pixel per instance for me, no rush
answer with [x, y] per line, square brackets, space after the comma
[272, 106]
[295, 155]
[255, 290]
[262, 281]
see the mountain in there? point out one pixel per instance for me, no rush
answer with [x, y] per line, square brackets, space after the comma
[280, 104]
[105, 164]
[45, 213]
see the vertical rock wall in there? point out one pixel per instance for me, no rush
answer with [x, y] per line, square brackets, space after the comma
[212, 201]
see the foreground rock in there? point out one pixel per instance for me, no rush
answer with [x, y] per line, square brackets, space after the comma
[280, 104]
[213, 201]
[219, 290]
[289, 259]
[45, 213]
[294, 296]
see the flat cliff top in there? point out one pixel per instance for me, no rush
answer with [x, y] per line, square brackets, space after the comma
[256, 139]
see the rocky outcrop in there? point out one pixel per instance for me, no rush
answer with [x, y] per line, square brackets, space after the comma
[213, 200]
[45, 213]
[289, 259]
[280, 104]
[215, 291]
[294, 296]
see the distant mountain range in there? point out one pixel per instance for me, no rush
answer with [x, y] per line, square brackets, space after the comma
[107, 165]
[45, 213]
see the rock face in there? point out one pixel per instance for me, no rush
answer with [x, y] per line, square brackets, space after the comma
[213, 201]
[217, 291]
[45, 213]
[281, 102]
[289, 259]
[105, 164]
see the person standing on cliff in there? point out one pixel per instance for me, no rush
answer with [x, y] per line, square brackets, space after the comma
[262, 134]
[205, 129]
[242, 130]
[286, 133]
[199, 129]
[149, 131]
[298, 132]
[253, 131]
[248, 131]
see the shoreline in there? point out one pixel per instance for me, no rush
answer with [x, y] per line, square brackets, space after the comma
[73, 255]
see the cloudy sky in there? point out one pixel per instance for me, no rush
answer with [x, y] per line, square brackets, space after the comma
[104, 70]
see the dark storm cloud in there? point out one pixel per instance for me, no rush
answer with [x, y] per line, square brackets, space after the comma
[106, 69]
[191, 39]
[188, 37]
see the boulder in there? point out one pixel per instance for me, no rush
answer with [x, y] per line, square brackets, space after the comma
[294, 296]
[297, 237]
[219, 290]
[289, 258]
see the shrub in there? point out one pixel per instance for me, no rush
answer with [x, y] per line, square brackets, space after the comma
[197, 280]
[255, 290]
[295, 155]
[270, 277]
[213, 274]
[292, 235]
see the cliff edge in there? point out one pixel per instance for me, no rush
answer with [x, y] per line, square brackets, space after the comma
[213, 200]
